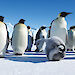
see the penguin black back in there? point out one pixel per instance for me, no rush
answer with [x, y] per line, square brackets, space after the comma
[37, 35]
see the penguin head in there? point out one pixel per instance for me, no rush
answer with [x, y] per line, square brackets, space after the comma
[49, 27]
[60, 52]
[72, 28]
[22, 21]
[28, 27]
[64, 14]
[43, 27]
[1, 18]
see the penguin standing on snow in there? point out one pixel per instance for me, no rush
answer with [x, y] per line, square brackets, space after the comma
[71, 39]
[4, 37]
[59, 26]
[19, 38]
[30, 39]
[40, 35]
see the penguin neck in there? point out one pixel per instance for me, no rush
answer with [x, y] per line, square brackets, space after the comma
[61, 18]
[73, 29]
[28, 29]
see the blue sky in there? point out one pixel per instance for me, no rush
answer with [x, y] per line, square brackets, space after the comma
[36, 12]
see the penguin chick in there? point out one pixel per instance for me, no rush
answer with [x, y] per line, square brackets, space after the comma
[55, 48]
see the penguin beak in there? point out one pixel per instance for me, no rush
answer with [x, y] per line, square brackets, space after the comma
[68, 13]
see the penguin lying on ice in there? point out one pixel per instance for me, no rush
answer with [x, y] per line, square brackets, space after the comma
[40, 34]
[19, 39]
[4, 37]
[55, 48]
[59, 27]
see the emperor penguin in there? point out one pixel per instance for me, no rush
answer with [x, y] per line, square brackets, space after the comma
[40, 35]
[30, 39]
[59, 27]
[4, 37]
[19, 39]
[71, 39]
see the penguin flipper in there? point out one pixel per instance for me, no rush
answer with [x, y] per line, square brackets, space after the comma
[32, 40]
[7, 44]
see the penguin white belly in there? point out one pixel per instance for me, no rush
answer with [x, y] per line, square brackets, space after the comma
[3, 37]
[70, 40]
[73, 39]
[59, 30]
[20, 39]
[43, 34]
[30, 41]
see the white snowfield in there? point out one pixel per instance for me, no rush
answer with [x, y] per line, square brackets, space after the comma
[37, 64]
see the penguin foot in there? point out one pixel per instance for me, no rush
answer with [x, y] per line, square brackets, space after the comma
[28, 50]
[2, 56]
[41, 51]
[18, 54]
[36, 50]
[7, 52]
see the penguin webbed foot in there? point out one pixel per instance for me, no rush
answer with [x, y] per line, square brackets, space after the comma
[36, 50]
[7, 51]
[1, 56]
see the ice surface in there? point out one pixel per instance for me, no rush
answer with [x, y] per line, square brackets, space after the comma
[37, 65]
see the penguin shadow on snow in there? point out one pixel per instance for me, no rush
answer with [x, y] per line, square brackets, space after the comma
[32, 59]
[28, 59]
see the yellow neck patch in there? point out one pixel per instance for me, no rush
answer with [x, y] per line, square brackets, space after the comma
[1, 22]
[59, 14]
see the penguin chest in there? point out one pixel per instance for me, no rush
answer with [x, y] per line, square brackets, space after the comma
[3, 36]
[59, 29]
[71, 39]
[43, 34]
[74, 39]
[30, 40]
[20, 38]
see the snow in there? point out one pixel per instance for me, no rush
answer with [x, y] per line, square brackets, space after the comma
[36, 65]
